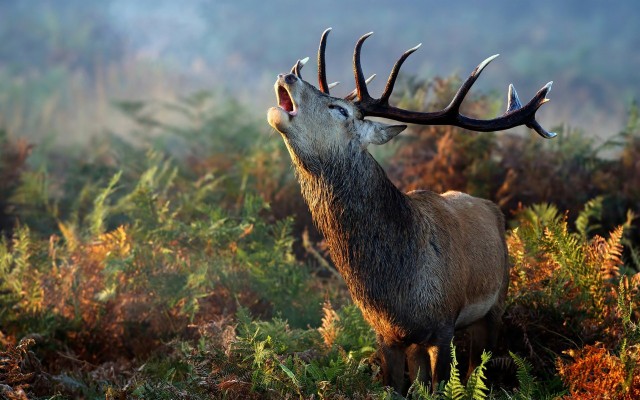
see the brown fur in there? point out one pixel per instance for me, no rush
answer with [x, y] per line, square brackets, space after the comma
[419, 265]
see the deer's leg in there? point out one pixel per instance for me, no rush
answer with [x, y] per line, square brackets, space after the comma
[494, 323]
[393, 362]
[440, 355]
[484, 336]
[478, 335]
[417, 361]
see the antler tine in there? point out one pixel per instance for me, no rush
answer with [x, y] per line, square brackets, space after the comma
[454, 106]
[540, 98]
[384, 99]
[354, 92]
[322, 71]
[513, 102]
[361, 84]
[297, 67]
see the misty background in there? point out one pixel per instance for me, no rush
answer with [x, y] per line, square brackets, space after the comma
[63, 63]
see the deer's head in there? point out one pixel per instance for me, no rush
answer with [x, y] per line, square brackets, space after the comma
[316, 125]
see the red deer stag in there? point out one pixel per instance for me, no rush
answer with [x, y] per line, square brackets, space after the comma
[419, 265]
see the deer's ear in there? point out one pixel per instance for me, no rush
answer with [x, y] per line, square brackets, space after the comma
[379, 133]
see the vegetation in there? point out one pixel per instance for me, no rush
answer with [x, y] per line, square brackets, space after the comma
[181, 263]
[173, 257]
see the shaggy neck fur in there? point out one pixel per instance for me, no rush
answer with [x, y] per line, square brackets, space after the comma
[365, 219]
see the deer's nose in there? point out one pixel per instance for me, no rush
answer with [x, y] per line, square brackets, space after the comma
[288, 78]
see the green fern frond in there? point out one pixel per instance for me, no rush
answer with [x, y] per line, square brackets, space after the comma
[564, 248]
[314, 371]
[633, 251]
[33, 190]
[534, 222]
[454, 389]
[291, 376]
[100, 209]
[625, 310]
[526, 382]
[419, 391]
[591, 212]
[476, 388]
[14, 261]
[542, 214]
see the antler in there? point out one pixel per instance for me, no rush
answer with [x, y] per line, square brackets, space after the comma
[297, 67]
[322, 69]
[515, 115]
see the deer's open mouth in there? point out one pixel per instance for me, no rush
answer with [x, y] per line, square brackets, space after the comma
[285, 102]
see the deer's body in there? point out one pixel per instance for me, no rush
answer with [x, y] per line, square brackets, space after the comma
[419, 265]
[411, 261]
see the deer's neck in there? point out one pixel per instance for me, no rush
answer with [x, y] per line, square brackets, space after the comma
[365, 219]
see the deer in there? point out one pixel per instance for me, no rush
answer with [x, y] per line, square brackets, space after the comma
[421, 266]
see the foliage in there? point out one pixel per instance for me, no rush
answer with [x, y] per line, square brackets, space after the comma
[169, 266]
[12, 376]
[13, 157]
[134, 266]
[568, 292]
[256, 359]
[475, 388]
[596, 373]
[528, 385]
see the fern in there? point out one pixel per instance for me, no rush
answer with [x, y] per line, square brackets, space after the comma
[292, 376]
[14, 365]
[476, 387]
[633, 259]
[354, 335]
[19, 281]
[526, 382]
[534, 219]
[565, 249]
[607, 254]
[33, 201]
[100, 209]
[625, 305]
[454, 389]
[592, 211]
[420, 391]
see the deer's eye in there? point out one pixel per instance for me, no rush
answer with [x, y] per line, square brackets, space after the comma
[341, 110]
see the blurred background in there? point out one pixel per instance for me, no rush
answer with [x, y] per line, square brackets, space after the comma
[153, 239]
[63, 63]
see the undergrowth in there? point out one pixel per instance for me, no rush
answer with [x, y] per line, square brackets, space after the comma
[176, 272]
